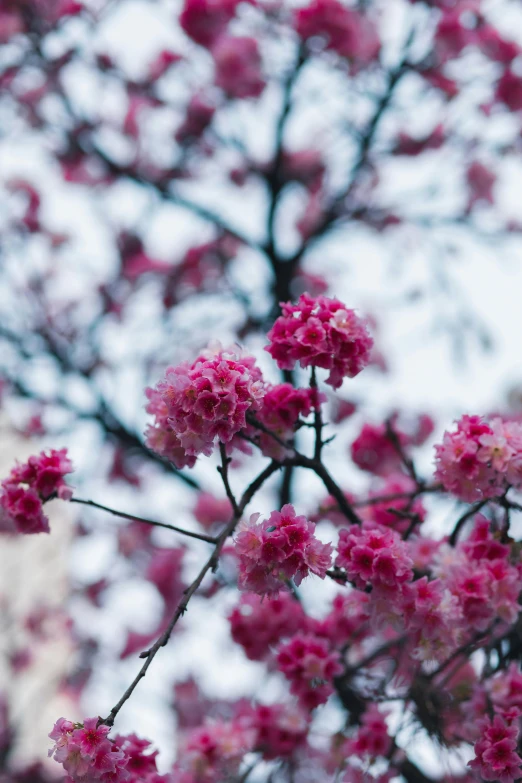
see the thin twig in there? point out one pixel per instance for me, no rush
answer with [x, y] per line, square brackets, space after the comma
[475, 508]
[210, 565]
[318, 417]
[134, 518]
[223, 472]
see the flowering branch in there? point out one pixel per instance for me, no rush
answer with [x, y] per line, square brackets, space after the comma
[210, 565]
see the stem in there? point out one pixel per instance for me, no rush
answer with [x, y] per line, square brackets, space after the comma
[475, 508]
[318, 418]
[210, 565]
[134, 518]
[223, 472]
[333, 488]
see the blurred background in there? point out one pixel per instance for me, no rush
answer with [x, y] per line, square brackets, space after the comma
[169, 173]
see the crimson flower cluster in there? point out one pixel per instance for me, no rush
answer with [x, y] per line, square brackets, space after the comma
[320, 332]
[213, 752]
[496, 756]
[198, 403]
[258, 623]
[310, 665]
[377, 449]
[211, 511]
[277, 549]
[340, 29]
[283, 406]
[480, 459]
[374, 556]
[372, 738]
[28, 486]
[87, 754]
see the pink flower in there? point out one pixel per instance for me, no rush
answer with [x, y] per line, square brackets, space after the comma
[310, 666]
[205, 20]
[280, 548]
[87, 754]
[342, 29]
[28, 486]
[320, 332]
[371, 739]
[259, 623]
[198, 116]
[211, 511]
[283, 406]
[480, 459]
[374, 556]
[480, 181]
[509, 90]
[495, 752]
[199, 403]
[238, 66]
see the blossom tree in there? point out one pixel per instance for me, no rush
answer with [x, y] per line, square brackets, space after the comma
[412, 638]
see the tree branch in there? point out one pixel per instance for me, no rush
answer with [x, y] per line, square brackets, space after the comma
[134, 518]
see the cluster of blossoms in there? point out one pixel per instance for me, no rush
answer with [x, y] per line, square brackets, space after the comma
[479, 574]
[377, 449]
[211, 511]
[310, 665]
[237, 61]
[214, 751]
[199, 403]
[343, 30]
[480, 459]
[282, 407]
[28, 486]
[258, 623]
[346, 621]
[320, 332]
[388, 512]
[87, 754]
[371, 739]
[496, 756]
[375, 556]
[277, 549]
[470, 585]
[280, 729]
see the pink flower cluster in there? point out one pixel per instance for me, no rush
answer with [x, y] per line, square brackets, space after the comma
[310, 665]
[199, 403]
[28, 486]
[280, 729]
[371, 739]
[342, 29]
[213, 752]
[238, 66]
[480, 459]
[320, 332]
[279, 548]
[496, 756]
[347, 618]
[479, 574]
[374, 556]
[282, 407]
[475, 585]
[206, 20]
[211, 511]
[260, 623]
[87, 754]
[375, 451]
[387, 512]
